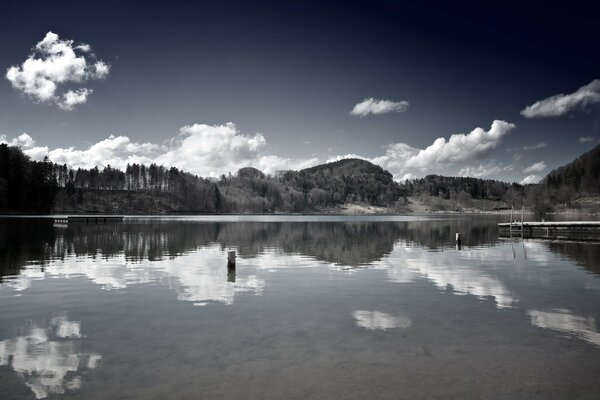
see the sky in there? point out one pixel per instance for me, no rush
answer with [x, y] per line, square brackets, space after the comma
[504, 91]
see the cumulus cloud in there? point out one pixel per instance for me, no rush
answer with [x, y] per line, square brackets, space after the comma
[405, 161]
[23, 140]
[537, 167]
[586, 139]
[461, 147]
[53, 64]
[211, 150]
[484, 170]
[72, 98]
[529, 179]
[374, 106]
[206, 150]
[561, 104]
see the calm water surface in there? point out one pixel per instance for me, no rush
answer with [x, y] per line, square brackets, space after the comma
[349, 308]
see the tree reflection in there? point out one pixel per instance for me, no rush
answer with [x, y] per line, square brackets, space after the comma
[24, 242]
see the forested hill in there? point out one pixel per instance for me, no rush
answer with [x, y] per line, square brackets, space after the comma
[157, 189]
[581, 175]
[40, 187]
[348, 180]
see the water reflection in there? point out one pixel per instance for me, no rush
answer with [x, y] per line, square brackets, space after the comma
[461, 273]
[377, 320]
[190, 256]
[199, 277]
[47, 358]
[34, 241]
[284, 312]
[565, 321]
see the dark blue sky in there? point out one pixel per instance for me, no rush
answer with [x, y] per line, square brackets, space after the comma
[293, 73]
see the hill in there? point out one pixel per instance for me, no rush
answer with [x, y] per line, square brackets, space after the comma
[313, 189]
[575, 185]
[349, 185]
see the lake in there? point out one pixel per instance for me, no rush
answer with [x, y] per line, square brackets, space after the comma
[317, 308]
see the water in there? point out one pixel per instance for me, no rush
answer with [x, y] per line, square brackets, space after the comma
[383, 307]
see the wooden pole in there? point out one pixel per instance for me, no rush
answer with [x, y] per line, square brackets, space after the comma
[231, 258]
[510, 223]
[522, 219]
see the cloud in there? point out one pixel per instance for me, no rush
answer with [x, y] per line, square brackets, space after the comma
[53, 64]
[484, 170]
[23, 140]
[461, 147]
[71, 98]
[403, 160]
[561, 104]
[529, 179]
[373, 106]
[536, 146]
[408, 176]
[206, 150]
[537, 167]
[586, 139]
[211, 150]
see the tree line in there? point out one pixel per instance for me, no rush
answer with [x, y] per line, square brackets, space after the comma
[28, 186]
[25, 186]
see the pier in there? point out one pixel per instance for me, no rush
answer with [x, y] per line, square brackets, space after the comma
[567, 230]
[88, 219]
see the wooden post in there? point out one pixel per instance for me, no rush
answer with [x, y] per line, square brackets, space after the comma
[522, 219]
[231, 266]
[231, 258]
[510, 223]
[458, 240]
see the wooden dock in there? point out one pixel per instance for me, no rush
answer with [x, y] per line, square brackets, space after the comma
[88, 219]
[567, 230]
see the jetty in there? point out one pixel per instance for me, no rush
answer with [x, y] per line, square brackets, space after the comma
[87, 219]
[567, 230]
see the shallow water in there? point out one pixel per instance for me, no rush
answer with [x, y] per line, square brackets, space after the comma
[334, 307]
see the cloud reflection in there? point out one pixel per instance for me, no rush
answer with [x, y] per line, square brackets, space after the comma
[377, 320]
[199, 277]
[45, 360]
[461, 272]
[565, 321]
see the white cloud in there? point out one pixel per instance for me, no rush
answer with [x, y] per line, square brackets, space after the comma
[537, 167]
[484, 170]
[374, 106]
[561, 104]
[536, 146]
[54, 63]
[461, 147]
[211, 150]
[408, 176]
[403, 160]
[529, 179]
[586, 139]
[72, 98]
[206, 150]
[23, 140]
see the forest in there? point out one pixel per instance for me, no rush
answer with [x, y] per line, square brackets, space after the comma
[37, 187]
